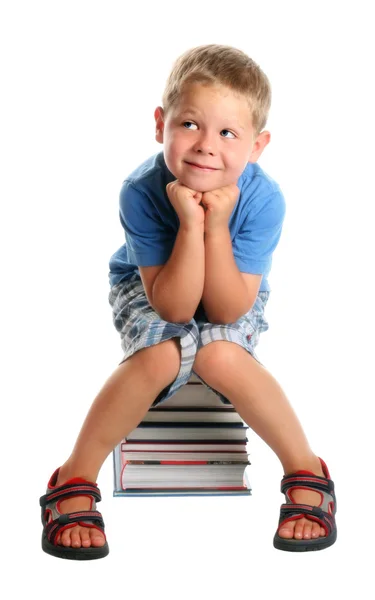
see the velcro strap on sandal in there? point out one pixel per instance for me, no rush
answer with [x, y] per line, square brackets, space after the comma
[291, 510]
[91, 516]
[312, 481]
[71, 489]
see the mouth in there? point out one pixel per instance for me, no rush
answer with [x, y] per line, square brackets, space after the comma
[200, 167]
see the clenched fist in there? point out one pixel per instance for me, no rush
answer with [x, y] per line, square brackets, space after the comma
[186, 203]
[219, 205]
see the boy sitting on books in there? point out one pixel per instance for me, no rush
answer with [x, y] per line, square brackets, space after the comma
[188, 293]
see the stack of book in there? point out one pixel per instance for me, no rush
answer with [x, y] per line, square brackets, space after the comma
[190, 444]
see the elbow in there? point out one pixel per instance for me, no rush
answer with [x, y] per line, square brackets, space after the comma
[168, 315]
[179, 321]
[227, 319]
[173, 318]
[221, 321]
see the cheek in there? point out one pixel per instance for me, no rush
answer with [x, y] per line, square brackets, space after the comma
[174, 143]
[236, 162]
[234, 157]
[179, 141]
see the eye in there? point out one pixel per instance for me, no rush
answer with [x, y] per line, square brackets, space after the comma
[189, 122]
[229, 132]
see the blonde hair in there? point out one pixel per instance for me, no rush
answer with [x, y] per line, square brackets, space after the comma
[217, 64]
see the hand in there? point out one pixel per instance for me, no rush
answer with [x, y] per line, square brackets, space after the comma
[186, 203]
[219, 205]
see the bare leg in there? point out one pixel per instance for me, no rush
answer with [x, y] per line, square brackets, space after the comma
[262, 404]
[118, 408]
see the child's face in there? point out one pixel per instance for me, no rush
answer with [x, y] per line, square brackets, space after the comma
[209, 126]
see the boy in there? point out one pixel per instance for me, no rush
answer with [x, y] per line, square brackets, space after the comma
[188, 292]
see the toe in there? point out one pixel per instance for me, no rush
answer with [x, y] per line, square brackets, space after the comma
[75, 538]
[65, 538]
[298, 530]
[287, 530]
[315, 531]
[307, 528]
[85, 537]
[97, 538]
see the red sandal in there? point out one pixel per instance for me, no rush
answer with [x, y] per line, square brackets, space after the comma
[324, 514]
[54, 522]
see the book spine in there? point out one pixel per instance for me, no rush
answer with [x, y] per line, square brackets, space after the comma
[186, 462]
[197, 424]
[183, 489]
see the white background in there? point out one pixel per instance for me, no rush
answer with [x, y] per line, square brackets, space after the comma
[80, 83]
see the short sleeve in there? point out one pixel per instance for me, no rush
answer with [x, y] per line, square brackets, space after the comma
[149, 241]
[259, 235]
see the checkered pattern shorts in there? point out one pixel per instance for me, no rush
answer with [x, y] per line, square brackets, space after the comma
[140, 327]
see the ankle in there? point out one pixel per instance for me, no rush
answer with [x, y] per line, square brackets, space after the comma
[309, 463]
[69, 470]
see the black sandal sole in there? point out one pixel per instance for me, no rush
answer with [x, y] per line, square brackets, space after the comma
[304, 545]
[74, 553]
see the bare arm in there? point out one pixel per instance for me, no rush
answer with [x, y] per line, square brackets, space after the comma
[178, 287]
[225, 296]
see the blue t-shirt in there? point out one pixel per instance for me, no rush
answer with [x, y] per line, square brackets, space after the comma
[151, 223]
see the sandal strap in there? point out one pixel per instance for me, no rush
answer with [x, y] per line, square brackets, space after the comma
[70, 489]
[314, 482]
[90, 516]
[323, 486]
[327, 521]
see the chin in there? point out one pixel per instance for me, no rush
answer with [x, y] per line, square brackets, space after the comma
[197, 186]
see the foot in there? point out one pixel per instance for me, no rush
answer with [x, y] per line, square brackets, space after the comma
[77, 536]
[303, 528]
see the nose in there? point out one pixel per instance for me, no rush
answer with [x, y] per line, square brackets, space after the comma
[205, 143]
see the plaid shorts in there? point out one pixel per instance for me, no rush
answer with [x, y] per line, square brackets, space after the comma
[140, 327]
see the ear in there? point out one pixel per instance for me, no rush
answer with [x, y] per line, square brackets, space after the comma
[159, 120]
[260, 143]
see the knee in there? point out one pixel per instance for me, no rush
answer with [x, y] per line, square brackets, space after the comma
[214, 361]
[161, 362]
